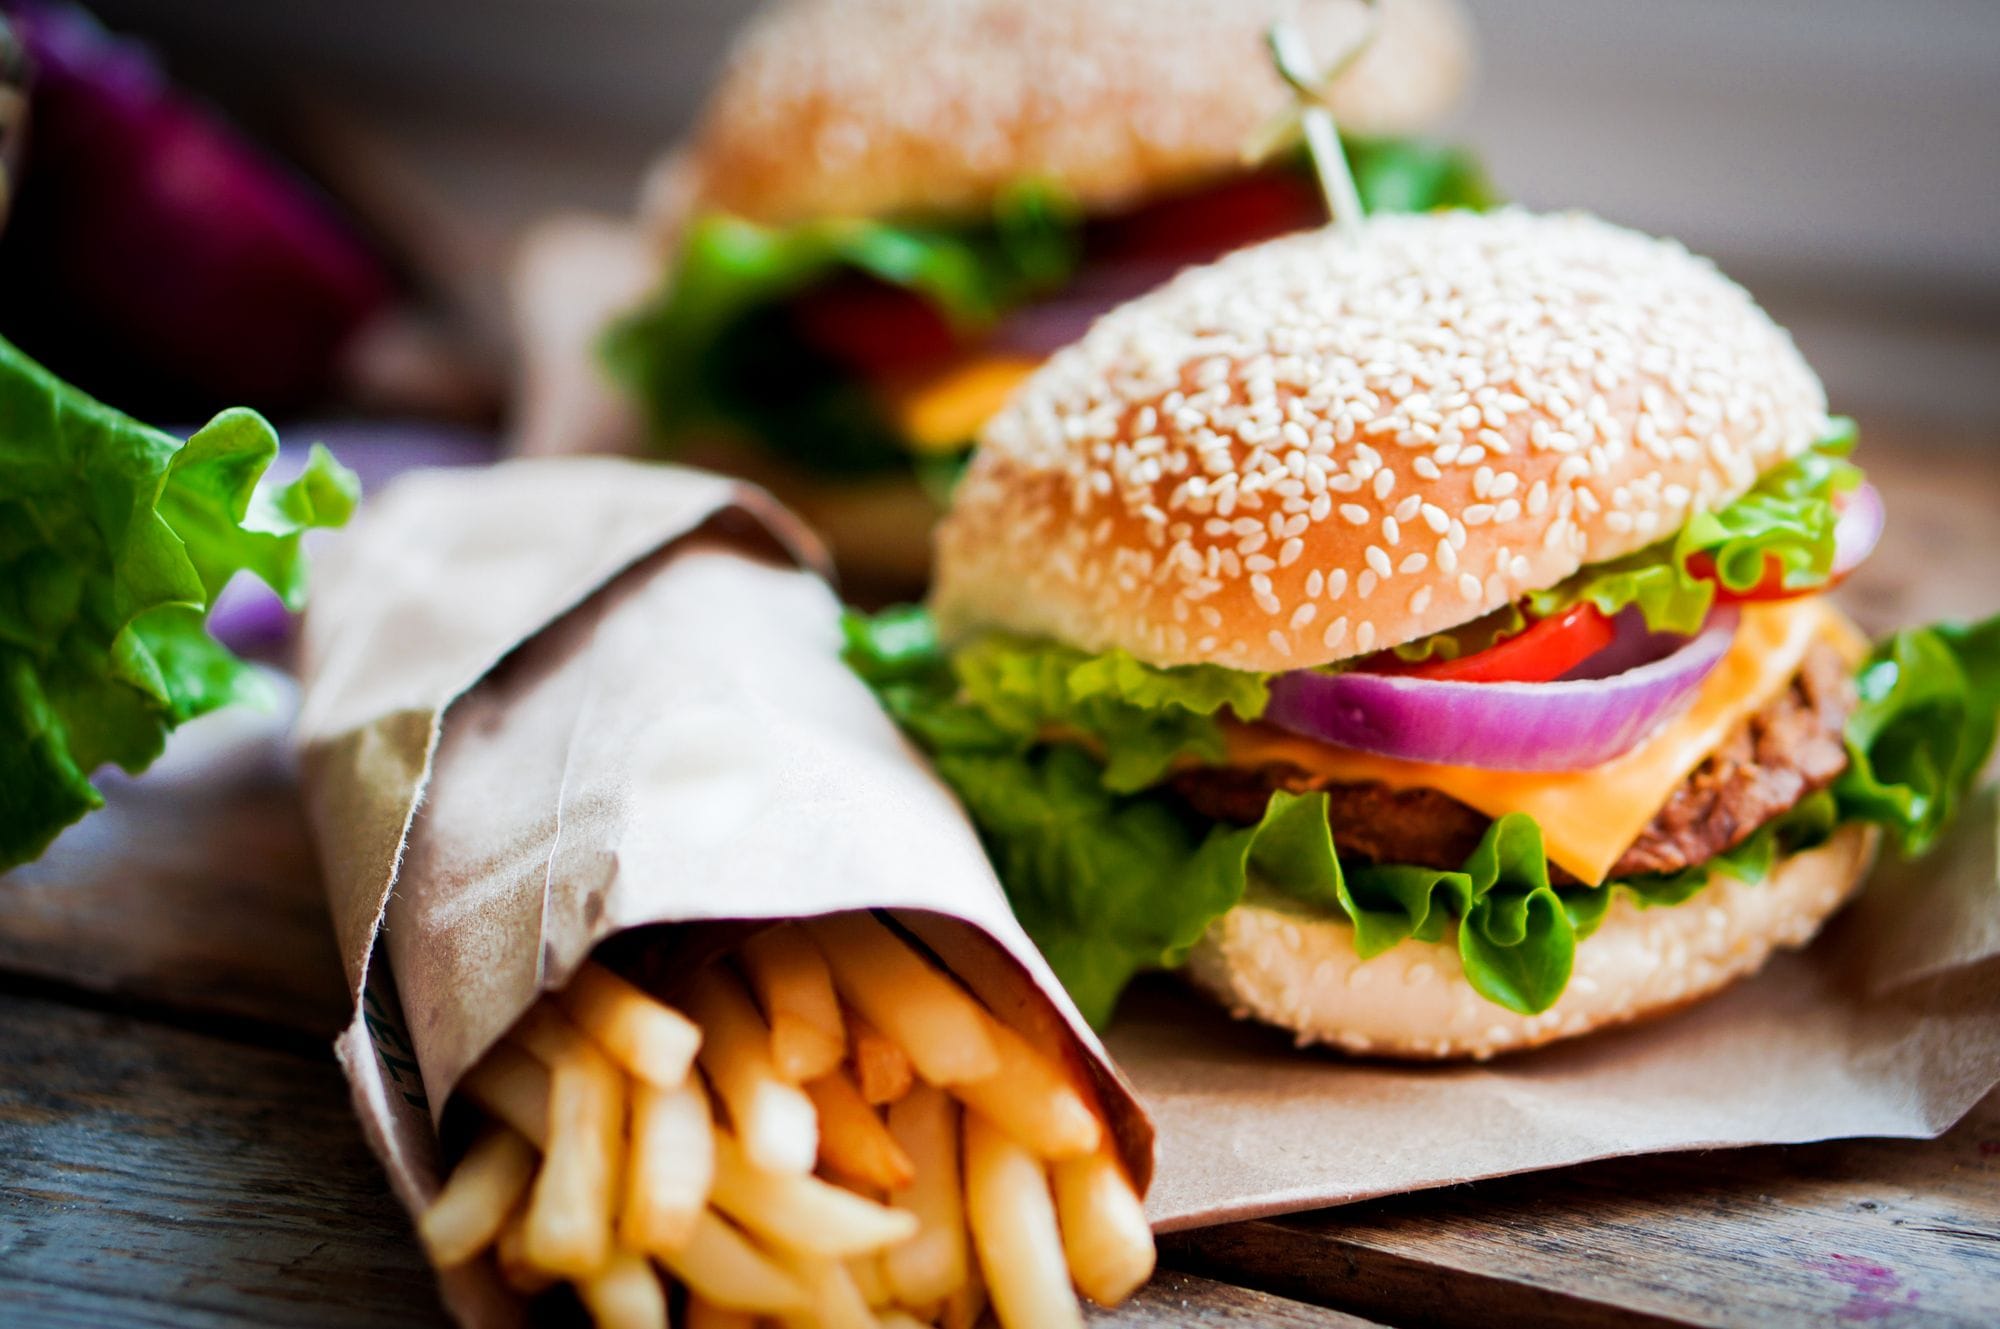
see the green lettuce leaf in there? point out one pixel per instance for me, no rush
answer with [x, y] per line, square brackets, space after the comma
[1788, 516]
[114, 541]
[1111, 878]
[704, 353]
[1924, 729]
[1009, 692]
[1415, 175]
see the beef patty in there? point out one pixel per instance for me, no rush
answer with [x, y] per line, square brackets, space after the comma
[1777, 756]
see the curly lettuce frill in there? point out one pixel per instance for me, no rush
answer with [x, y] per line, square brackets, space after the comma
[114, 541]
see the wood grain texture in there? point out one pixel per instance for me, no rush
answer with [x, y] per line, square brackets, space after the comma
[195, 890]
[1884, 1232]
[153, 1176]
[169, 1178]
[1188, 1301]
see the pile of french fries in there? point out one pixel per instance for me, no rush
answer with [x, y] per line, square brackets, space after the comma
[829, 1134]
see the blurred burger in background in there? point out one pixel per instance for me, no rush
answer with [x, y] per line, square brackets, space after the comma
[892, 211]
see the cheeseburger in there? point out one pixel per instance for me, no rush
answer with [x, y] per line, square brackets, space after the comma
[1421, 636]
[892, 211]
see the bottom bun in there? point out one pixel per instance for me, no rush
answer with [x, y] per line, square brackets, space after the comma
[1300, 971]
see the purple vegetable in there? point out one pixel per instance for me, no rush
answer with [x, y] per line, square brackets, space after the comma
[1560, 726]
[152, 223]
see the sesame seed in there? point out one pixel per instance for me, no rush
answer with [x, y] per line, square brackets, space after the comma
[1193, 439]
[1378, 560]
[1468, 586]
[1421, 600]
[1413, 564]
[1364, 638]
[1304, 615]
[1336, 632]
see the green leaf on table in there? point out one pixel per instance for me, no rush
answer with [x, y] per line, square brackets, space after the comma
[114, 541]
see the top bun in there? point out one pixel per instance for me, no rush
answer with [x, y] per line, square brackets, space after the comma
[1322, 446]
[869, 108]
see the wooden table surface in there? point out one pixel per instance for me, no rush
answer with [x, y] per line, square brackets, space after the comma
[176, 1146]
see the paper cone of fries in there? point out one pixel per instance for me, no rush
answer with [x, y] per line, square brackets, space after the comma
[572, 709]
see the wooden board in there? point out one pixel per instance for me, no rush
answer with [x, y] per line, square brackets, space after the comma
[173, 1178]
[1890, 1232]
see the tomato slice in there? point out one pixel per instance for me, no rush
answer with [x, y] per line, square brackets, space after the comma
[1770, 586]
[1546, 649]
[1208, 222]
[877, 330]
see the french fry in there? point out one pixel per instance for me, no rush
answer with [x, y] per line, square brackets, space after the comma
[719, 1265]
[651, 1040]
[866, 1271]
[965, 1308]
[944, 1031]
[672, 1165]
[510, 1252]
[837, 1302]
[802, 1212]
[1013, 1222]
[625, 1294]
[513, 1086]
[790, 978]
[1104, 1228]
[705, 1314]
[575, 1195]
[1032, 1100]
[853, 1142]
[774, 1119]
[931, 1265]
[481, 1191]
[882, 1070]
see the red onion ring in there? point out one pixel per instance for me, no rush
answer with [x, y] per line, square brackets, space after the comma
[1857, 530]
[1560, 726]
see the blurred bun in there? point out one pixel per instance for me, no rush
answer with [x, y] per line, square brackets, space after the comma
[1413, 1001]
[885, 107]
[1325, 446]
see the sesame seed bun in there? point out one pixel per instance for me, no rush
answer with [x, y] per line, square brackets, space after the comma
[1325, 446]
[885, 107]
[1267, 963]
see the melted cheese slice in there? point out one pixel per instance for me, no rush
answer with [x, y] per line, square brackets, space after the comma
[1590, 817]
[944, 413]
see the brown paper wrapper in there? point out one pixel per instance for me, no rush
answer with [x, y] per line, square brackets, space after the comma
[1888, 1025]
[557, 701]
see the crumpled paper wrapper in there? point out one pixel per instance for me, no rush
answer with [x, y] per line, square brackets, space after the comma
[1888, 1025]
[558, 700]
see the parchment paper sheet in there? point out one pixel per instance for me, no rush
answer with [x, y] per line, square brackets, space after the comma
[1888, 1025]
[554, 701]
